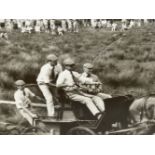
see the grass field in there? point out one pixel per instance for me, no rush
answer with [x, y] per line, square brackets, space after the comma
[124, 61]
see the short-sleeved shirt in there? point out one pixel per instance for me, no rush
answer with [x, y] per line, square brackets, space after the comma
[22, 97]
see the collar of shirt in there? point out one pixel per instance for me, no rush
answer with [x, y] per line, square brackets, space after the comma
[21, 92]
[49, 66]
[84, 74]
[67, 71]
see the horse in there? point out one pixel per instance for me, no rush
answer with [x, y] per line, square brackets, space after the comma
[142, 108]
[139, 118]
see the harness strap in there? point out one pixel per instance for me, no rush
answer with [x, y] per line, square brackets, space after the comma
[74, 79]
[144, 109]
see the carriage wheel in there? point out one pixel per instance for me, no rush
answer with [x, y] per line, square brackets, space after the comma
[34, 131]
[14, 132]
[80, 130]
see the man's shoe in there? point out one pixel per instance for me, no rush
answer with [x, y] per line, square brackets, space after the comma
[98, 115]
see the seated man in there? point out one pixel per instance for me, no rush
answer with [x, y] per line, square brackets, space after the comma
[68, 80]
[95, 89]
[22, 98]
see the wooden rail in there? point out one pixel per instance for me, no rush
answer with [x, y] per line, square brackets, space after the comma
[39, 105]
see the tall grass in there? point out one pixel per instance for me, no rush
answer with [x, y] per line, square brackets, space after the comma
[123, 60]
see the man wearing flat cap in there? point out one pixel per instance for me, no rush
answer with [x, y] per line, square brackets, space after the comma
[48, 74]
[68, 80]
[93, 89]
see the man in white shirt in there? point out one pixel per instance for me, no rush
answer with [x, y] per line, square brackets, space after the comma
[114, 26]
[64, 25]
[47, 75]
[68, 80]
[22, 98]
[132, 24]
[70, 26]
[75, 26]
[93, 89]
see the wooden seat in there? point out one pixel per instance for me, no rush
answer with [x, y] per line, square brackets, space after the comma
[80, 110]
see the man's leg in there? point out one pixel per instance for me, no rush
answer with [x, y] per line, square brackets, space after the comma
[99, 103]
[87, 101]
[49, 99]
[104, 96]
[26, 116]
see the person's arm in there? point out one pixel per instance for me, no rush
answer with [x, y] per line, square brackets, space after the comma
[97, 79]
[84, 80]
[29, 93]
[60, 81]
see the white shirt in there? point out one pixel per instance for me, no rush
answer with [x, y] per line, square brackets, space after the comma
[21, 99]
[65, 77]
[46, 71]
[2, 20]
[92, 76]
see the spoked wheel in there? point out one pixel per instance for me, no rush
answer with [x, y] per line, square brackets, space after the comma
[80, 130]
[34, 131]
[14, 132]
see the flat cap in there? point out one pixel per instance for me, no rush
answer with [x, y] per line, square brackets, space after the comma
[88, 65]
[69, 61]
[20, 83]
[51, 57]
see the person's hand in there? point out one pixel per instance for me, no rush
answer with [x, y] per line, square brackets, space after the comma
[34, 115]
[97, 83]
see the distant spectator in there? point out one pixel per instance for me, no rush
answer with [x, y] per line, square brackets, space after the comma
[75, 26]
[4, 35]
[132, 24]
[64, 25]
[114, 25]
[123, 26]
[60, 31]
[69, 23]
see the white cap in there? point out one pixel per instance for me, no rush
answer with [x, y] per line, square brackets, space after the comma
[69, 61]
[88, 65]
[20, 83]
[51, 57]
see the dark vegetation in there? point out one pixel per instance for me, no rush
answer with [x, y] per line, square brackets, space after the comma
[124, 61]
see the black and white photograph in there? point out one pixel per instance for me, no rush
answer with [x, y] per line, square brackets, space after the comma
[77, 76]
